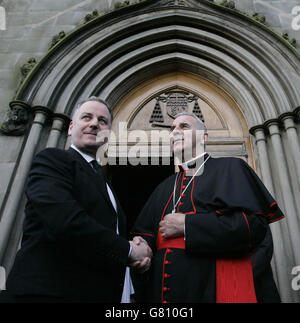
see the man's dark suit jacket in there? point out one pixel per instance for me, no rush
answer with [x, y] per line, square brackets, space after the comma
[70, 248]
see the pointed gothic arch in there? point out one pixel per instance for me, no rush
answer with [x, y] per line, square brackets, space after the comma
[114, 53]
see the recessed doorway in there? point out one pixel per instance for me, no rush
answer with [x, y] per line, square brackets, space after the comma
[134, 185]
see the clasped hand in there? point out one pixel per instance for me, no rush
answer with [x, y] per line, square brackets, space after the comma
[141, 254]
[172, 225]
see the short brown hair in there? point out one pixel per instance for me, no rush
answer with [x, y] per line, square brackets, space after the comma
[93, 98]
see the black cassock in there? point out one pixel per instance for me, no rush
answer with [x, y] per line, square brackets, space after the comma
[228, 211]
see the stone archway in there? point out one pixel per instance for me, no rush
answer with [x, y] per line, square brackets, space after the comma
[146, 108]
[113, 54]
[142, 119]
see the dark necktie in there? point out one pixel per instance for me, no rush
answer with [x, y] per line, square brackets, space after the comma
[97, 168]
[102, 172]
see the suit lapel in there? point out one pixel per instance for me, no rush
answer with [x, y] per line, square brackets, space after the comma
[101, 185]
[95, 178]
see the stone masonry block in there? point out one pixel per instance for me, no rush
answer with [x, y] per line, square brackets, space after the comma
[271, 13]
[285, 6]
[54, 5]
[245, 6]
[6, 170]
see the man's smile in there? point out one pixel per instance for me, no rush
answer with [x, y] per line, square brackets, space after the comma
[90, 133]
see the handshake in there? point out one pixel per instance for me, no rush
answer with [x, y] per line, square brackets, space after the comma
[141, 254]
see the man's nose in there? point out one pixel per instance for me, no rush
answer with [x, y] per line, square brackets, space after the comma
[94, 123]
[175, 131]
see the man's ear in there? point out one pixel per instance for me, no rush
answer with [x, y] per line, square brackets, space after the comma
[70, 128]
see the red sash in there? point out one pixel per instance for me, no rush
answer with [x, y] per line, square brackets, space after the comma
[234, 277]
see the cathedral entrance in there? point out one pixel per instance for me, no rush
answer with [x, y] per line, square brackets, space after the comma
[134, 185]
[139, 150]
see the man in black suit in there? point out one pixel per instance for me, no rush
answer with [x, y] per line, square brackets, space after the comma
[74, 246]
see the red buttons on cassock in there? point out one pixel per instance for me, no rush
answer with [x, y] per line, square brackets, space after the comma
[167, 262]
[169, 250]
[167, 275]
[165, 302]
[165, 289]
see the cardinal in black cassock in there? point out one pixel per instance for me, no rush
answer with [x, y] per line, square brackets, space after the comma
[225, 252]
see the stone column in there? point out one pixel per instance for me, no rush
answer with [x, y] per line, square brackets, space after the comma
[59, 121]
[16, 192]
[68, 142]
[279, 257]
[297, 113]
[263, 157]
[291, 131]
[288, 200]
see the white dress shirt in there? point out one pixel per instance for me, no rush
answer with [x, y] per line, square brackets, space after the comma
[128, 287]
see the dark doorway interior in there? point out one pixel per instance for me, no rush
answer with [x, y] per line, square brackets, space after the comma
[134, 184]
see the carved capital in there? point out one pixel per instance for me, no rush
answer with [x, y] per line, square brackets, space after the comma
[286, 115]
[255, 129]
[66, 119]
[18, 118]
[273, 126]
[297, 113]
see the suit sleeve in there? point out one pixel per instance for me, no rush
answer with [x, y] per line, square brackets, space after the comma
[145, 225]
[50, 190]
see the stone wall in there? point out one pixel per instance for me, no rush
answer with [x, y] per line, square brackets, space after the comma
[278, 14]
[30, 27]
[32, 24]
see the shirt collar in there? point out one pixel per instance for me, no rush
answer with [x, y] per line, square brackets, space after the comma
[87, 157]
[191, 163]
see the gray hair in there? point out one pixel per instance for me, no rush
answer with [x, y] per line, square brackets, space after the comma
[96, 99]
[191, 114]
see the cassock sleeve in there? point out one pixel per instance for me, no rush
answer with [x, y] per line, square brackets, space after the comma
[238, 187]
[230, 235]
[50, 189]
[240, 222]
[262, 256]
